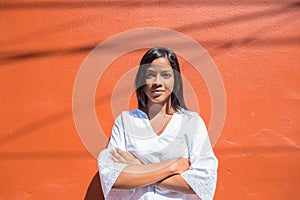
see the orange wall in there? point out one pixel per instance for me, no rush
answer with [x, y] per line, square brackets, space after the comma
[255, 45]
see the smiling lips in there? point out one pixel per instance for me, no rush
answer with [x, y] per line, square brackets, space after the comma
[157, 92]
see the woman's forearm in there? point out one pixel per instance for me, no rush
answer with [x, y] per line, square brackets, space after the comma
[134, 176]
[175, 183]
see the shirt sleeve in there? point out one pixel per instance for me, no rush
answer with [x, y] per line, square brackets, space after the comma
[110, 170]
[202, 175]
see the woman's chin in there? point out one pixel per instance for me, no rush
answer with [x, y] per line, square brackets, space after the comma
[158, 100]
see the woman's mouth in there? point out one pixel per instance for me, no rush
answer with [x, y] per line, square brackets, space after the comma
[157, 92]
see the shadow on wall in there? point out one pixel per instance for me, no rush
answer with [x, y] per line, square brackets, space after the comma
[94, 191]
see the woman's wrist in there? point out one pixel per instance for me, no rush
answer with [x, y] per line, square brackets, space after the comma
[179, 165]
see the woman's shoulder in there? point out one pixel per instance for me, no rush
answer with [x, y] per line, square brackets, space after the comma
[188, 113]
[191, 116]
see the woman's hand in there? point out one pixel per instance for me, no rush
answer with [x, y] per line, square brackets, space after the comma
[180, 165]
[124, 157]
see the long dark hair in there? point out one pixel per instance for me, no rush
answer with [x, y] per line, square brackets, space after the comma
[177, 101]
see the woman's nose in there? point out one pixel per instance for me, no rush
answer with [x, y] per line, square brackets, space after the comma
[157, 80]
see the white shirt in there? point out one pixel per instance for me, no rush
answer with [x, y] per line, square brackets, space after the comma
[185, 136]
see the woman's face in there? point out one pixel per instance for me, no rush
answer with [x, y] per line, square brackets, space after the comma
[159, 81]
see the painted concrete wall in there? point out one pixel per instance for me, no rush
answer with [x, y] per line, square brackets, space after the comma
[255, 45]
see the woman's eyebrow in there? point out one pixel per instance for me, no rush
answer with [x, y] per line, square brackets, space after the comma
[168, 70]
[149, 70]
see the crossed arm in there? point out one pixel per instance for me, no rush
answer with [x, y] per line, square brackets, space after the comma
[164, 175]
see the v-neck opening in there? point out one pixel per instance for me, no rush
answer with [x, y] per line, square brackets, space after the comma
[152, 130]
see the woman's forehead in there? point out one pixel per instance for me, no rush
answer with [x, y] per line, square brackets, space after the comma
[161, 64]
[158, 67]
[161, 61]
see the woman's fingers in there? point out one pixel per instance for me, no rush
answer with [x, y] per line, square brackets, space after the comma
[124, 154]
[131, 159]
[116, 157]
[124, 157]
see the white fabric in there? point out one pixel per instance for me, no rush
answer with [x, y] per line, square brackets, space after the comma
[185, 136]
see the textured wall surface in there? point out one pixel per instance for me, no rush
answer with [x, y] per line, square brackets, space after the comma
[255, 45]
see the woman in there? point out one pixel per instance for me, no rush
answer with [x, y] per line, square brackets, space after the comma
[160, 150]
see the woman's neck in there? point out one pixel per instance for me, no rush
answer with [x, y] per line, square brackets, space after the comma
[155, 110]
[159, 116]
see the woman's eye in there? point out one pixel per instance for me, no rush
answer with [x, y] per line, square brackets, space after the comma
[166, 75]
[150, 75]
